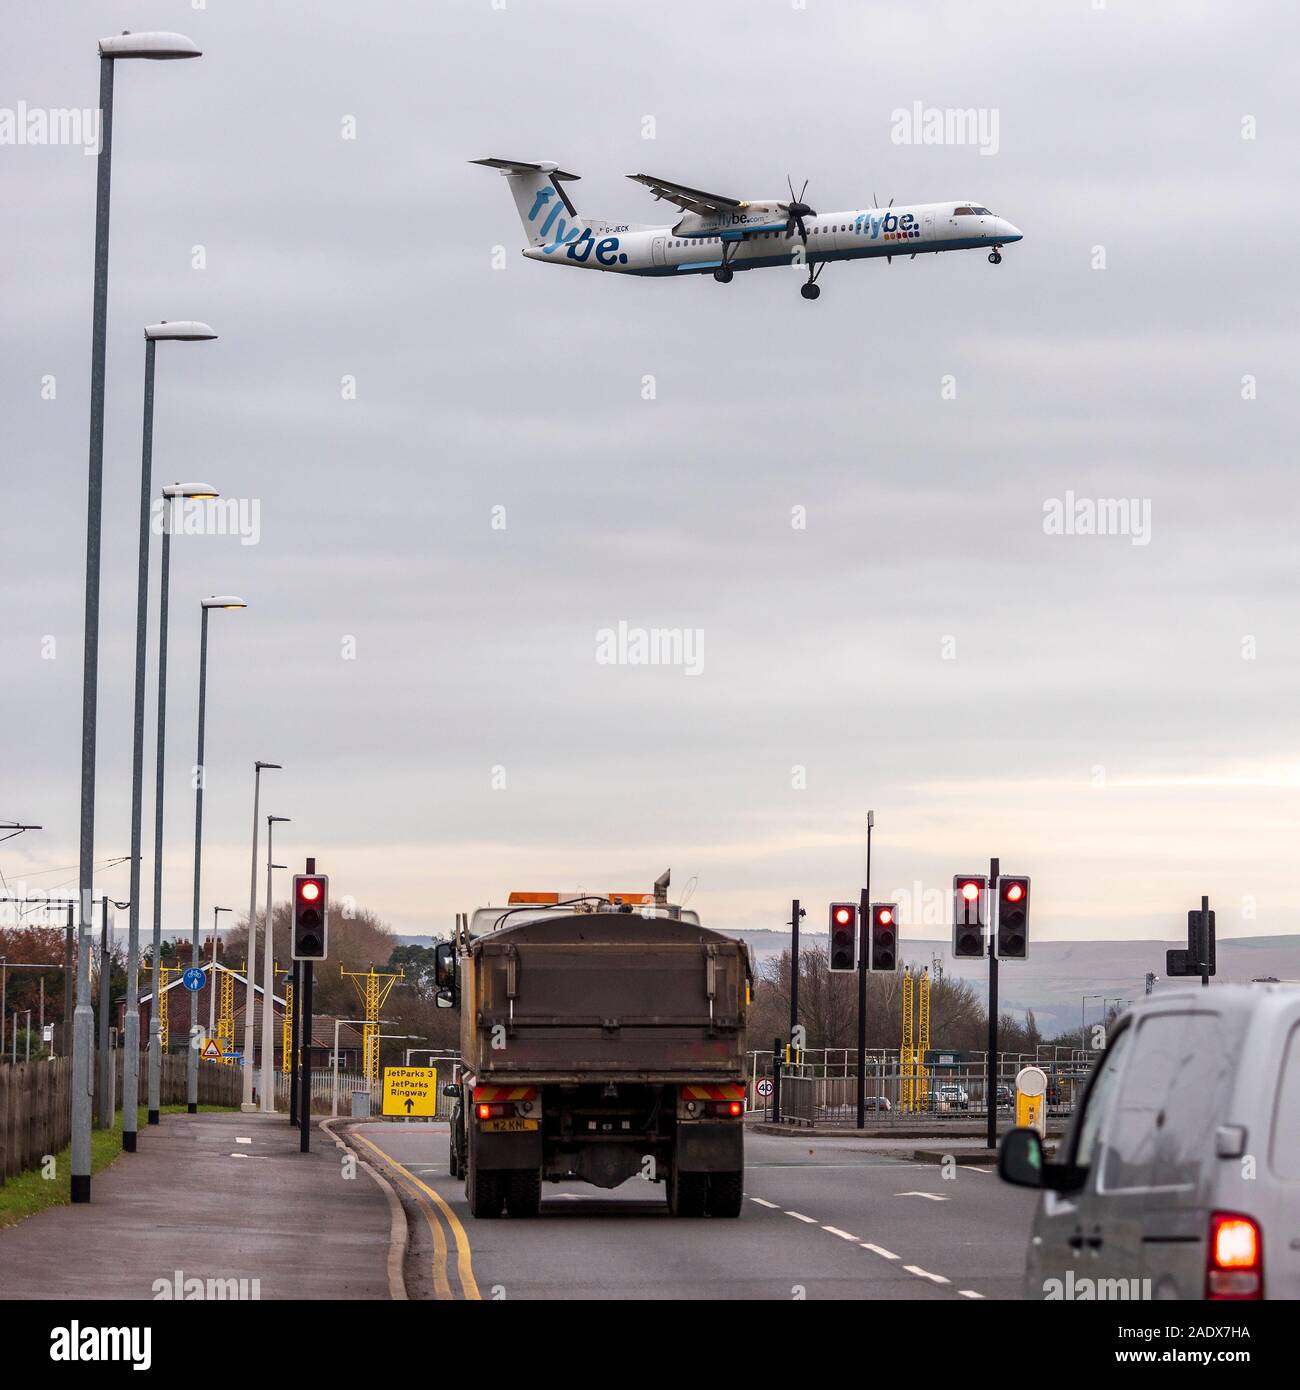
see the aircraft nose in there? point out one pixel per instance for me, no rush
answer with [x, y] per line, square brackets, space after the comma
[1009, 231]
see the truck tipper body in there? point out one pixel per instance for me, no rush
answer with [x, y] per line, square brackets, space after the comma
[601, 1040]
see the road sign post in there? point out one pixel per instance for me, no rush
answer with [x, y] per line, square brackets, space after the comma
[864, 950]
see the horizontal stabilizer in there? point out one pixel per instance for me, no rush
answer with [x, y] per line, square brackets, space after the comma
[524, 166]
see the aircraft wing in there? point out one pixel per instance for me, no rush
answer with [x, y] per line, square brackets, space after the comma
[691, 199]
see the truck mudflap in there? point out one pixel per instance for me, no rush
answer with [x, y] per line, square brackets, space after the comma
[706, 1146]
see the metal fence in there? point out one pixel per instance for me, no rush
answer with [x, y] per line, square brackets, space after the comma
[821, 1088]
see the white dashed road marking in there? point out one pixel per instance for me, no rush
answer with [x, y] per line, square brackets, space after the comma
[969, 1293]
[762, 1203]
[879, 1250]
[843, 1235]
[799, 1216]
[933, 1196]
[925, 1274]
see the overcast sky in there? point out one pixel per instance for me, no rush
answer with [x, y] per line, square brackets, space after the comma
[1116, 719]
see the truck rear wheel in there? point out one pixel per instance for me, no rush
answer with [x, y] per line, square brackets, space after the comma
[485, 1191]
[726, 1194]
[524, 1193]
[687, 1193]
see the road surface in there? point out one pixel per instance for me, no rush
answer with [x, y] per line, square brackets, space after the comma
[823, 1218]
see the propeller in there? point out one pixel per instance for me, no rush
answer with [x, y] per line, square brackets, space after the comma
[796, 210]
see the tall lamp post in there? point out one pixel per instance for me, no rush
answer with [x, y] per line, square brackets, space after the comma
[268, 981]
[111, 50]
[250, 973]
[219, 601]
[171, 496]
[186, 332]
[212, 974]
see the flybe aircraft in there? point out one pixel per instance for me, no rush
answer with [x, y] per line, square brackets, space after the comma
[719, 235]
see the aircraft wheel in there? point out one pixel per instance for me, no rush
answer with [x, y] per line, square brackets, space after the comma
[723, 274]
[994, 258]
[810, 291]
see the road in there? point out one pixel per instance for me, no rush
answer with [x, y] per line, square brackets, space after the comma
[823, 1218]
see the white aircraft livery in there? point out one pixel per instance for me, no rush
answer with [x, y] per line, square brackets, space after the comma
[719, 235]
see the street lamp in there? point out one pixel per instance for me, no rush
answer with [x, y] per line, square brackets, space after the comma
[268, 982]
[171, 496]
[247, 1098]
[212, 975]
[218, 601]
[111, 50]
[184, 332]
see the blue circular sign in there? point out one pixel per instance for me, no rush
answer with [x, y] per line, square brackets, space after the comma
[192, 979]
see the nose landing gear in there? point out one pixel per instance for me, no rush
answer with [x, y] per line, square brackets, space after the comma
[724, 274]
[995, 256]
[810, 289]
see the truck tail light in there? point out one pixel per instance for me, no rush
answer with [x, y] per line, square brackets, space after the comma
[730, 1109]
[1235, 1264]
[491, 1112]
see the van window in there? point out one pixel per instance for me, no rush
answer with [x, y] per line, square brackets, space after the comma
[1174, 1092]
[1284, 1146]
[1100, 1093]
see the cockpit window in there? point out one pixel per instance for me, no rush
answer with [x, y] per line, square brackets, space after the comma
[971, 212]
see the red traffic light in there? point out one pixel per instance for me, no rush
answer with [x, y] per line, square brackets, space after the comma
[843, 916]
[971, 891]
[309, 890]
[884, 916]
[1015, 891]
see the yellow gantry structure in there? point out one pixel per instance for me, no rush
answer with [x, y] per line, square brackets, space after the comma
[914, 1078]
[226, 1015]
[286, 1038]
[164, 972]
[374, 986]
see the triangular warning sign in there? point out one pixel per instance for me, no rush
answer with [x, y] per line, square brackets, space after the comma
[212, 1049]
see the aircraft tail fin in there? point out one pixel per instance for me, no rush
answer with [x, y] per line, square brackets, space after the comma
[545, 209]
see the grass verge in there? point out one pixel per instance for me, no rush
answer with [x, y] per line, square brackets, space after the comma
[31, 1192]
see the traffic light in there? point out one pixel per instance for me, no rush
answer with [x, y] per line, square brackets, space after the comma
[310, 916]
[844, 936]
[1013, 918]
[884, 936]
[968, 916]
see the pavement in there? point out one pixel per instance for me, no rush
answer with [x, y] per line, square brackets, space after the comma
[824, 1217]
[215, 1197]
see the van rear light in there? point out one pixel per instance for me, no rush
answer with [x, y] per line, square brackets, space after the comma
[1235, 1264]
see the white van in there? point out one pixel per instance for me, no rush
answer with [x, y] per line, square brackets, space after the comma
[1180, 1174]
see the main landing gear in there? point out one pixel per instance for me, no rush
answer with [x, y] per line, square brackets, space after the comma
[724, 274]
[811, 289]
[995, 256]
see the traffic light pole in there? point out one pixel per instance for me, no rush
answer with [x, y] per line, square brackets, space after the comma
[864, 950]
[293, 1045]
[794, 968]
[1205, 942]
[991, 1080]
[307, 972]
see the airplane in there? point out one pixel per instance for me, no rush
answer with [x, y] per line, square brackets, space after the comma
[721, 235]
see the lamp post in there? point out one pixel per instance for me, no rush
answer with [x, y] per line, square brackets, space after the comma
[111, 50]
[251, 972]
[185, 332]
[219, 601]
[212, 975]
[175, 493]
[268, 982]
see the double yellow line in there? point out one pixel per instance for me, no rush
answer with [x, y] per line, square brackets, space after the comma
[433, 1206]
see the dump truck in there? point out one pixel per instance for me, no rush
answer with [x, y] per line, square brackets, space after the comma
[602, 1038]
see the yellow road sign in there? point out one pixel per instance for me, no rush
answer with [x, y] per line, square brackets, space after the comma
[211, 1051]
[410, 1090]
